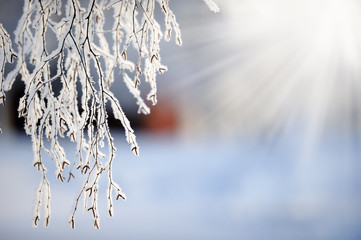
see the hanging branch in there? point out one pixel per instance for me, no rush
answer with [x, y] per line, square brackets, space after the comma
[85, 56]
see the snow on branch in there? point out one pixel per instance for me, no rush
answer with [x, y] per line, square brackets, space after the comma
[212, 5]
[6, 56]
[85, 61]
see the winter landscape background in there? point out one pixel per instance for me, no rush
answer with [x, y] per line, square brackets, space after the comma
[256, 135]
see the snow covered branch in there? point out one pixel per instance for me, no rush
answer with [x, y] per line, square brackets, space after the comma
[85, 61]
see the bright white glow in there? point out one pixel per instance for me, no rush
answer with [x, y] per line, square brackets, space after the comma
[272, 65]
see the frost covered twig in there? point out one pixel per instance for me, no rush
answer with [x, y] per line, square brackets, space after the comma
[212, 5]
[87, 59]
[6, 55]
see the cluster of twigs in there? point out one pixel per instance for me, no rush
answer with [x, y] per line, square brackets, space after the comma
[78, 111]
[87, 58]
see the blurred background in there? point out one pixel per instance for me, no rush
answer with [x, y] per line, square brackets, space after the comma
[256, 134]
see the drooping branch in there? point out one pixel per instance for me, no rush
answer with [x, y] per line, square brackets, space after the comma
[85, 61]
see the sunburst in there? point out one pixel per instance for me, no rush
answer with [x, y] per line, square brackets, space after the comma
[264, 67]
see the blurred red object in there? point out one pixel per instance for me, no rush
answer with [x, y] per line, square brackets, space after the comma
[163, 118]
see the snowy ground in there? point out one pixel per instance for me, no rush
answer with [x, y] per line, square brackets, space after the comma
[209, 189]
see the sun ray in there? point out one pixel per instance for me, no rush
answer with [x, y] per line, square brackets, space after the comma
[266, 67]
